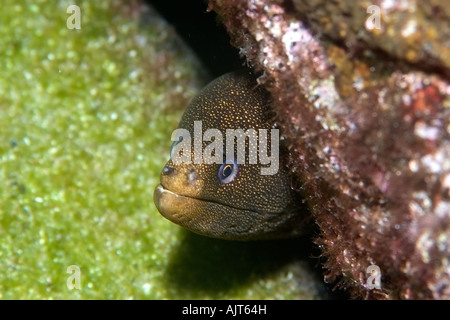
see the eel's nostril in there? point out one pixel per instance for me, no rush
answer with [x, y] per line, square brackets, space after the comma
[168, 170]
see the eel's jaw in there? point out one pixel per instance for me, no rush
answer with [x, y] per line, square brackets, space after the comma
[199, 216]
[220, 221]
[172, 206]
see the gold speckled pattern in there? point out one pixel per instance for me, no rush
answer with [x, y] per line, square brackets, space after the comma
[252, 205]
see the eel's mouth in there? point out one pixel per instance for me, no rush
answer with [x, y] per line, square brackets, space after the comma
[174, 207]
[197, 215]
[204, 217]
[216, 220]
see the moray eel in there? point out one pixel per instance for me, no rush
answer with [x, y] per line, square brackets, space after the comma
[229, 200]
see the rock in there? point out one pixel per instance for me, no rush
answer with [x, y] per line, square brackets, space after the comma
[365, 109]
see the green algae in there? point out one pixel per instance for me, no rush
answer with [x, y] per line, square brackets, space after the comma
[85, 123]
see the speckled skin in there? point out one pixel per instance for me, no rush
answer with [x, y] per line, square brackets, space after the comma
[252, 206]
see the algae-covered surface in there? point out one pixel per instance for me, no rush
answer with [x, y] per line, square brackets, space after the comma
[85, 122]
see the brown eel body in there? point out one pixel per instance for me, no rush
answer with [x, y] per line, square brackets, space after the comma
[229, 200]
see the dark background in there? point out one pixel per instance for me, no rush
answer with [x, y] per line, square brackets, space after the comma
[201, 30]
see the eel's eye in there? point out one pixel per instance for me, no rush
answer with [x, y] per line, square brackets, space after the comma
[228, 171]
[180, 138]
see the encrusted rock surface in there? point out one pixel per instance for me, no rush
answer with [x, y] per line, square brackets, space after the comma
[364, 105]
